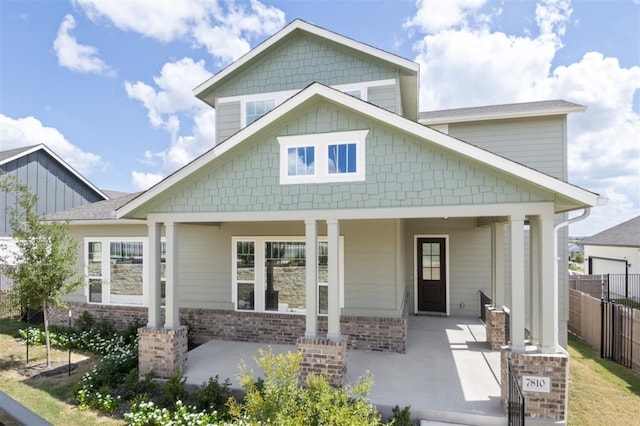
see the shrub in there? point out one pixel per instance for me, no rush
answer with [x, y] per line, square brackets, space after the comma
[173, 390]
[283, 401]
[147, 414]
[85, 321]
[213, 396]
[401, 417]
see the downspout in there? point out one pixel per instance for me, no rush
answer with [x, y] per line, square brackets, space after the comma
[556, 228]
[585, 214]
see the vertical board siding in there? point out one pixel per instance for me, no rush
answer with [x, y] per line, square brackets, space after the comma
[56, 187]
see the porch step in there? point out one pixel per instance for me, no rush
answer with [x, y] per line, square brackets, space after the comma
[453, 418]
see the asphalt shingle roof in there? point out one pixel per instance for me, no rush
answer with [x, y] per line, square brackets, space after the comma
[626, 234]
[101, 210]
[539, 107]
[13, 152]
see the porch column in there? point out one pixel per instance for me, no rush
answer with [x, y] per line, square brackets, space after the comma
[534, 276]
[517, 313]
[548, 291]
[153, 265]
[498, 264]
[172, 318]
[311, 247]
[333, 239]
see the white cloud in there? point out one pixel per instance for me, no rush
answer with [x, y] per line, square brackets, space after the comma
[465, 63]
[436, 15]
[21, 132]
[224, 29]
[169, 102]
[76, 56]
[143, 181]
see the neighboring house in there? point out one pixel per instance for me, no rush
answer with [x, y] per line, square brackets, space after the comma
[321, 154]
[615, 250]
[56, 184]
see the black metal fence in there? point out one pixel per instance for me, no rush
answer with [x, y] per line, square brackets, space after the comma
[616, 336]
[484, 300]
[623, 288]
[516, 400]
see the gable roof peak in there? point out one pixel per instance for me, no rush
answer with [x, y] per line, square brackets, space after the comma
[206, 91]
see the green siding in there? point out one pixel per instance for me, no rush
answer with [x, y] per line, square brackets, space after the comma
[301, 61]
[401, 171]
[384, 97]
[227, 120]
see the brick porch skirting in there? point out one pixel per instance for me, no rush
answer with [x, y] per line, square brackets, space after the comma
[497, 325]
[543, 406]
[364, 333]
[162, 351]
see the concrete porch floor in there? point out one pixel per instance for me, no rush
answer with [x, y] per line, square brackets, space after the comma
[448, 374]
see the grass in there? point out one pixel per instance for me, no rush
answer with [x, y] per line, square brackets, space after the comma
[601, 392]
[50, 397]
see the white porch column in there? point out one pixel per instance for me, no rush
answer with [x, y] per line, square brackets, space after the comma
[172, 318]
[534, 276]
[548, 292]
[333, 237]
[153, 265]
[498, 264]
[517, 313]
[311, 247]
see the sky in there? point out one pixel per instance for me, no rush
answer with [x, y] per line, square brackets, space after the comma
[107, 85]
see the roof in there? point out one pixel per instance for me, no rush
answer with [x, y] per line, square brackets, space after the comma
[493, 112]
[14, 154]
[409, 76]
[579, 197]
[100, 210]
[626, 234]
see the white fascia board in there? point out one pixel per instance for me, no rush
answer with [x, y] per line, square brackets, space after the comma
[444, 141]
[59, 160]
[312, 29]
[501, 116]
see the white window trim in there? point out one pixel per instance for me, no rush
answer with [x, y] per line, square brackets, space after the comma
[321, 143]
[260, 273]
[106, 272]
[282, 96]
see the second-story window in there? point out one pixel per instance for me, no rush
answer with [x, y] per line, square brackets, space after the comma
[256, 109]
[301, 161]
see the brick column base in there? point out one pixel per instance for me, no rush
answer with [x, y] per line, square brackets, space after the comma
[497, 327]
[161, 350]
[322, 356]
[543, 406]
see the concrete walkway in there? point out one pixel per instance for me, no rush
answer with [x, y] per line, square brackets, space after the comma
[447, 374]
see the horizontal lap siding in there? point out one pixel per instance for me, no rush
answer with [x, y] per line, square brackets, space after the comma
[228, 120]
[385, 97]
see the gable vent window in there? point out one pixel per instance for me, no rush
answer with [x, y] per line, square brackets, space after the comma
[321, 158]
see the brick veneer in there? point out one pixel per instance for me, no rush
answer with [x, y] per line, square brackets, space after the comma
[162, 351]
[497, 325]
[365, 333]
[538, 405]
[322, 356]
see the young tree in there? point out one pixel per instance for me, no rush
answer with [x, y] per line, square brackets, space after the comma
[44, 264]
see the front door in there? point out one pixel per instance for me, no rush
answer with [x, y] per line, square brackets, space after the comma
[432, 280]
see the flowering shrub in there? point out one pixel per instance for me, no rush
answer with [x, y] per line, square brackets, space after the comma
[147, 414]
[101, 400]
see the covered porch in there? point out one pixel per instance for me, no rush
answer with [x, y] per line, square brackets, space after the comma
[447, 374]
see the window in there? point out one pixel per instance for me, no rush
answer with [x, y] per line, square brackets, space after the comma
[256, 109]
[325, 157]
[300, 161]
[270, 274]
[115, 270]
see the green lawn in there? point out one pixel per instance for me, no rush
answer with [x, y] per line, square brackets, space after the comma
[601, 392]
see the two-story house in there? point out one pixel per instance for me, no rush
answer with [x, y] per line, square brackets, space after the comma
[330, 210]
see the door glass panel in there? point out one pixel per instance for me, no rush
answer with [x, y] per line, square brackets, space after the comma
[426, 273]
[435, 273]
[426, 249]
